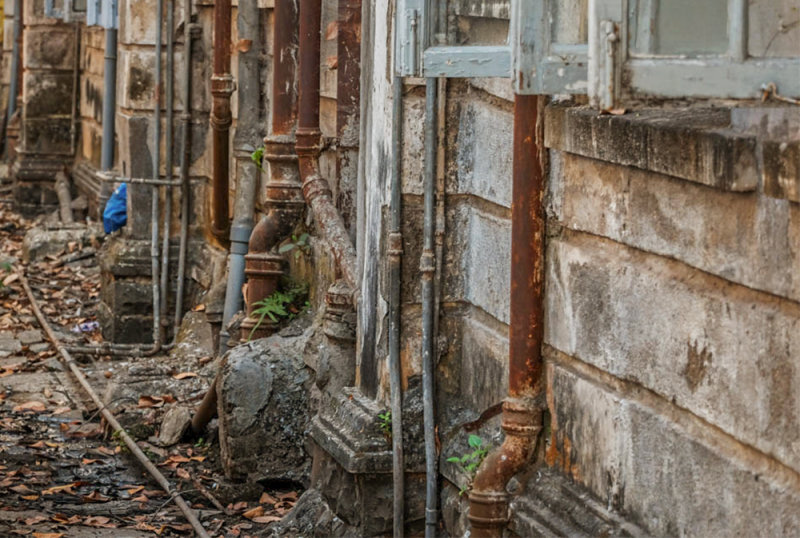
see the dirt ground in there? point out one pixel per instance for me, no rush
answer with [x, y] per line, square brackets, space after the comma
[62, 472]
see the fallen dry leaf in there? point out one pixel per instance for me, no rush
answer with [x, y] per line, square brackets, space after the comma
[134, 490]
[99, 521]
[266, 498]
[23, 489]
[48, 534]
[87, 461]
[95, 497]
[258, 511]
[35, 519]
[184, 375]
[199, 308]
[150, 401]
[30, 497]
[33, 406]
[266, 519]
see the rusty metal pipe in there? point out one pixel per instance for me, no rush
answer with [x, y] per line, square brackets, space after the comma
[221, 89]
[284, 196]
[316, 189]
[522, 410]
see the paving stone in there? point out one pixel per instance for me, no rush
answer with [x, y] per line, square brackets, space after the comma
[174, 425]
[32, 336]
[9, 345]
[38, 348]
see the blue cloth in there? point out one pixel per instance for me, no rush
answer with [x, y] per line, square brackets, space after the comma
[115, 214]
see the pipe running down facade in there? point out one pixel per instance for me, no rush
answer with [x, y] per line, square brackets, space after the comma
[522, 410]
[284, 196]
[316, 190]
[248, 94]
[222, 86]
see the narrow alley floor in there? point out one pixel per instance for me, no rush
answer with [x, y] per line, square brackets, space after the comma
[62, 471]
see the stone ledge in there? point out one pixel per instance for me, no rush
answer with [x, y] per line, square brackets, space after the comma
[554, 505]
[349, 432]
[699, 145]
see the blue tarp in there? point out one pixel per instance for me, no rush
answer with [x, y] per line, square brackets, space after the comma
[115, 214]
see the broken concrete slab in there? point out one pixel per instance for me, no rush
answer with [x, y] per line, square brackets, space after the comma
[41, 242]
[38, 348]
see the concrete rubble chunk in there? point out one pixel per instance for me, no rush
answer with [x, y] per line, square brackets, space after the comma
[38, 348]
[263, 408]
[175, 423]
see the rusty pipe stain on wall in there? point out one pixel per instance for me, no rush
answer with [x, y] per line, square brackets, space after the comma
[316, 189]
[221, 90]
[522, 410]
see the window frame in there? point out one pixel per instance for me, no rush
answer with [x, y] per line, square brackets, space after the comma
[415, 57]
[616, 76]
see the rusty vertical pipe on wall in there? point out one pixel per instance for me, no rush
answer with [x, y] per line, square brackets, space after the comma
[221, 90]
[348, 103]
[522, 410]
[316, 189]
[284, 195]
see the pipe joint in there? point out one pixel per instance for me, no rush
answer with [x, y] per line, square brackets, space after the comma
[280, 149]
[395, 246]
[427, 263]
[222, 85]
[315, 186]
[308, 142]
[521, 418]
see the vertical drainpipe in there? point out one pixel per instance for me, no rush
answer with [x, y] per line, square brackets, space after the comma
[348, 87]
[284, 197]
[109, 110]
[13, 86]
[154, 207]
[249, 97]
[395, 252]
[221, 90]
[522, 409]
[186, 155]
[170, 101]
[427, 268]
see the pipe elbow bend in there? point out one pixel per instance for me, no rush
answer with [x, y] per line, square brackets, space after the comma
[266, 234]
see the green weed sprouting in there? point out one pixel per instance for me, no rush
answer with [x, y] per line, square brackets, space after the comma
[281, 305]
[298, 243]
[471, 460]
[258, 157]
[385, 423]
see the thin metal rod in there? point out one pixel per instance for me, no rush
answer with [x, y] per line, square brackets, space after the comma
[140, 181]
[186, 153]
[737, 29]
[76, 80]
[155, 213]
[109, 100]
[13, 87]
[170, 98]
[428, 269]
[191, 517]
[395, 274]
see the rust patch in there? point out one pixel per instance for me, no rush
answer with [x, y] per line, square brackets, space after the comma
[697, 363]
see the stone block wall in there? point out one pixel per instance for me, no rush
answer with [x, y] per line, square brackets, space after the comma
[48, 127]
[672, 316]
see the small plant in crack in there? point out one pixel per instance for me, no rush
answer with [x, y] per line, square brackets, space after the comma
[258, 158]
[471, 460]
[385, 424]
[285, 304]
[298, 243]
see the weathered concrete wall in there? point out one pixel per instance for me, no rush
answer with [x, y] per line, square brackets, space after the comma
[671, 330]
[672, 297]
[91, 94]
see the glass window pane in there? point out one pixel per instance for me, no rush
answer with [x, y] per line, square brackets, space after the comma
[678, 27]
[774, 28]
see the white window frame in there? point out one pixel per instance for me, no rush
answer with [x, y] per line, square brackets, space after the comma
[732, 75]
[416, 58]
[540, 65]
